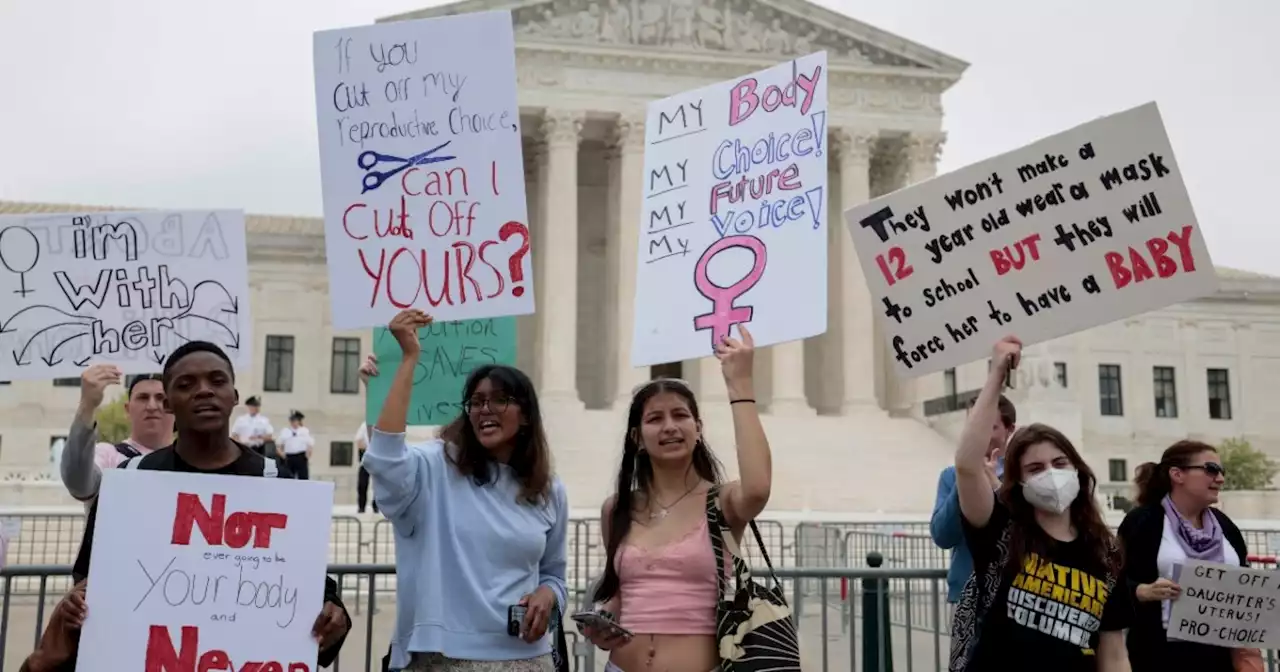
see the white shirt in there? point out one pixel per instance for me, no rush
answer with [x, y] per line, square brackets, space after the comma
[362, 435]
[1171, 554]
[247, 425]
[293, 441]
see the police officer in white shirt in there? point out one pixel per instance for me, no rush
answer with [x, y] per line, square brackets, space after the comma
[253, 429]
[294, 447]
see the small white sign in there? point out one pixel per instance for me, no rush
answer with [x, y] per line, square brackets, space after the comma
[1227, 606]
[1083, 228]
[123, 288]
[733, 229]
[230, 568]
[422, 170]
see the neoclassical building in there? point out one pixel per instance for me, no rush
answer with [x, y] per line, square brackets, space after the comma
[848, 436]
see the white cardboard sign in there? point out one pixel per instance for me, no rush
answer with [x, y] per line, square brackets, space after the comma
[1227, 606]
[1079, 229]
[227, 568]
[124, 288]
[733, 228]
[422, 170]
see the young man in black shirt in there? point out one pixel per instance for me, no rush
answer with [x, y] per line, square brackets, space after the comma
[199, 384]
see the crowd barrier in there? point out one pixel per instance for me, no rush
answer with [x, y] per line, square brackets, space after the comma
[853, 629]
[821, 566]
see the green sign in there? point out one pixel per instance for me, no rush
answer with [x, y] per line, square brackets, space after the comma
[450, 352]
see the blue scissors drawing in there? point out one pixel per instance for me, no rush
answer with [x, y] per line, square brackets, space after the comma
[374, 179]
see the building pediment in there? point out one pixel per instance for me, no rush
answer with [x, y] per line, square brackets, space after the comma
[765, 28]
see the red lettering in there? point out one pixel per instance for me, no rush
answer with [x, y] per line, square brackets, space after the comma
[377, 278]
[235, 532]
[1015, 259]
[445, 296]
[464, 270]
[1183, 243]
[353, 206]
[1141, 271]
[161, 656]
[402, 230]
[1119, 274]
[436, 183]
[417, 290]
[501, 281]
[743, 101]
[1158, 249]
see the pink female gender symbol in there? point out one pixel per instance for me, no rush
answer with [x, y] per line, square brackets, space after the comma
[723, 313]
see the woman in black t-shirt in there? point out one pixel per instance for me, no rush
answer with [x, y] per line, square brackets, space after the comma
[1044, 593]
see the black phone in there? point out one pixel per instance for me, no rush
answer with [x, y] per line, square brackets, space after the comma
[515, 619]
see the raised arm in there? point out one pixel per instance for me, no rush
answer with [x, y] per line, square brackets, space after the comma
[398, 475]
[972, 483]
[80, 473]
[745, 498]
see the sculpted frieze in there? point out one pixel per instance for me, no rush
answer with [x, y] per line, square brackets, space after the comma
[740, 26]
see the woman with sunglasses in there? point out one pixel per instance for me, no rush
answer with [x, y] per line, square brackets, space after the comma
[480, 523]
[1173, 523]
[660, 571]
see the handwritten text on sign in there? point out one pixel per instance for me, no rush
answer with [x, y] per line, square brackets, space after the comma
[234, 581]
[119, 287]
[422, 170]
[450, 352]
[1076, 230]
[733, 227]
[1227, 606]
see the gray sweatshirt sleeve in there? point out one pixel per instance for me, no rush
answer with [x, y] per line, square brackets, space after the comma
[80, 473]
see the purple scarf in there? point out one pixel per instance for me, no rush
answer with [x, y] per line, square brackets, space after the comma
[1205, 543]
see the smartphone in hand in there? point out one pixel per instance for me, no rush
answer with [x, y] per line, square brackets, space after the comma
[602, 622]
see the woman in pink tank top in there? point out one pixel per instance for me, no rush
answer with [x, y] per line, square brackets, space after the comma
[660, 573]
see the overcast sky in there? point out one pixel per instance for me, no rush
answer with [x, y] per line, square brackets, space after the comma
[179, 103]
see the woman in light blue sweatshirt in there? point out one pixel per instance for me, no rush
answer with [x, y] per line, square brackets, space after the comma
[480, 522]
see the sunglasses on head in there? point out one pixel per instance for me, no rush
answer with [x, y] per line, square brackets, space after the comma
[1212, 469]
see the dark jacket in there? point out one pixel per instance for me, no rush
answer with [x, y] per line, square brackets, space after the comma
[1140, 535]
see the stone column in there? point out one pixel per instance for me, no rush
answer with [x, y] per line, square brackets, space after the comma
[527, 325]
[857, 333]
[558, 313]
[788, 380]
[622, 249]
[921, 158]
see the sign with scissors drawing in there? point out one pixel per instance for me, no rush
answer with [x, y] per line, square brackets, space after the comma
[422, 170]
[124, 288]
[734, 191]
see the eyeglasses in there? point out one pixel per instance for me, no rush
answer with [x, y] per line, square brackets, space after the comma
[1212, 469]
[494, 404]
[645, 385]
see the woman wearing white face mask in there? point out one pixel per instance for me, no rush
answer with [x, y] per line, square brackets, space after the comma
[1046, 591]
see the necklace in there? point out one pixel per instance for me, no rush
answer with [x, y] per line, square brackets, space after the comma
[664, 511]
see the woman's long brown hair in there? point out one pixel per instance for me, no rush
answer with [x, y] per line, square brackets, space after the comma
[531, 458]
[1026, 536]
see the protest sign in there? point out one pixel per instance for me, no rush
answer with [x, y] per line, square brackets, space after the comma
[231, 574]
[1227, 606]
[733, 227]
[422, 170]
[124, 288]
[1076, 230]
[450, 352]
